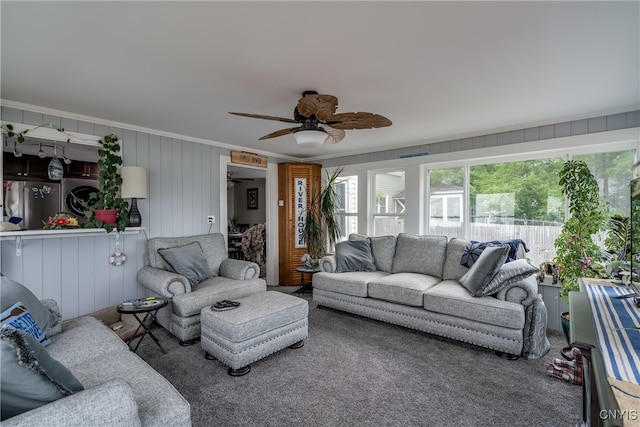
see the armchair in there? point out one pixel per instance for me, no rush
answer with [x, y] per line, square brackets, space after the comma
[232, 279]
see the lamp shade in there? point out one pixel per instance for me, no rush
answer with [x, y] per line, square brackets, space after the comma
[310, 138]
[134, 182]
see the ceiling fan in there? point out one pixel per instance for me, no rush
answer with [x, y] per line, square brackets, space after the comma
[318, 123]
[236, 180]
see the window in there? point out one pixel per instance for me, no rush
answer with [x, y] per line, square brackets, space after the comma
[446, 202]
[388, 212]
[347, 213]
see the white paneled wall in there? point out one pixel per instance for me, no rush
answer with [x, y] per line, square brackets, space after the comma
[184, 188]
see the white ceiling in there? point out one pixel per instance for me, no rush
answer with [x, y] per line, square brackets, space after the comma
[438, 70]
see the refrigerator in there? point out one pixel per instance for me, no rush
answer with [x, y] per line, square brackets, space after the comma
[33, 201]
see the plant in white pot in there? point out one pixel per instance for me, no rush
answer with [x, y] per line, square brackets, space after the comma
[105, 207]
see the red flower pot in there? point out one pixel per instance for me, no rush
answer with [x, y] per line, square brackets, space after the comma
[107, 216]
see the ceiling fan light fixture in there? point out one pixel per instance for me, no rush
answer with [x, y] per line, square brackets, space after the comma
[310, 138]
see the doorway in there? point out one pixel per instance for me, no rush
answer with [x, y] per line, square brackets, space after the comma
[250, 201]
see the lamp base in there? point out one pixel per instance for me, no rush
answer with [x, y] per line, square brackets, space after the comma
[135, 219]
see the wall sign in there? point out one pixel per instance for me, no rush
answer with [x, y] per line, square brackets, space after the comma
[251, 159]
[300, 201]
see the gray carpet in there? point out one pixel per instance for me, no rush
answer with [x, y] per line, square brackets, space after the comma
[354, 371]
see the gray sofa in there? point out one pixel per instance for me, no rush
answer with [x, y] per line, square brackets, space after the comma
[415, 283]
[230, 279]
[120, 389]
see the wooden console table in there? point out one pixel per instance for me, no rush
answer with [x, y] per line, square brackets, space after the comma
[602, 328]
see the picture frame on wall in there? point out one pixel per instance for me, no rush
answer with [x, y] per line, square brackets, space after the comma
[252, 198]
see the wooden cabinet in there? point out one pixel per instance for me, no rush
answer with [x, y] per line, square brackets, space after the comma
[80, 169]
[296, 183]
[27, 166]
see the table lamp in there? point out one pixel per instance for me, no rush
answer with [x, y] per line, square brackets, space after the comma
[134, 186]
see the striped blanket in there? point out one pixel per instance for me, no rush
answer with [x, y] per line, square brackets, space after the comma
[617, 325]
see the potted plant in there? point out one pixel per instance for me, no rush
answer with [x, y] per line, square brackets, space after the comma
[575, 248]
[106, 208]
[320, 224]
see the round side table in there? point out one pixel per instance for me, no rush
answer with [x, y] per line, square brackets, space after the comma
[150, 308]
[305, 286]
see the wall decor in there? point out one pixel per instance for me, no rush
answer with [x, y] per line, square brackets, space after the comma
[252, 198]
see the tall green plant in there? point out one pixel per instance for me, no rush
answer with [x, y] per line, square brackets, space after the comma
[109, 182]
[575, 248]
[320, 223]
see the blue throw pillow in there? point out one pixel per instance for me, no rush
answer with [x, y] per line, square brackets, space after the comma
[354, 255]
[18, 317]
[29, 376]
[474, 249]
[11, 292]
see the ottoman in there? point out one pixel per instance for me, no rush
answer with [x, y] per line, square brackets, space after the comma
[263, 324]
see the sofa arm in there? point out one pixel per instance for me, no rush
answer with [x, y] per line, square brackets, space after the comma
[239, 269]
[113, 403]
[523, 292]
[162, 282]
[328, 263]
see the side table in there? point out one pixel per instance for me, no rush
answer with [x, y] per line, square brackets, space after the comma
[150, 307]
[305, 286]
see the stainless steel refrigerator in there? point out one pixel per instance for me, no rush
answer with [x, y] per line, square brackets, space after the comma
[33, 201]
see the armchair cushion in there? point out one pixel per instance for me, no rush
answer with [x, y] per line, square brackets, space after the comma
[30, 376]
[187, 260]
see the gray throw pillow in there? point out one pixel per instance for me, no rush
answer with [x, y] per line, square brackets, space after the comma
[12, 292]
[482, 271]
[422, 254]
[509, 273]
[187, 260]
[29, 376]
[354, 255]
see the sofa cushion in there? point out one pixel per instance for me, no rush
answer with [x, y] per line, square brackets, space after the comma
[354, 255]
[403, 288]
[509, 273]
[30, 377]
[449, 297]
[420, 254]
[11, 292]
[353, 283]
[187, 260]
[383, 249]
[18, 317]
[452, 267]
[482, 271]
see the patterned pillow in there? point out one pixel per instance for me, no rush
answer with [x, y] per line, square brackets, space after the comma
[30, 376]
[474, 249]
[11, 292]
[509, 273]
[18, 317]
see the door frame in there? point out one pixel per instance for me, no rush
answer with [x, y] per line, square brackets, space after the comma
[271, 200]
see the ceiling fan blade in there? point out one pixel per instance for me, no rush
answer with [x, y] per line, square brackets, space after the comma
[260, 116]
[358, 121]
[323, 106]
[333, 135]
[280, 132]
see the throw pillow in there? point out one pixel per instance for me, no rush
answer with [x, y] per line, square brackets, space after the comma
[187, 260]
[419, 254]
[483, 270]
[509, 273]
[11, 292]
[18, 317]
[535, 343]
[474, 249]
[354, 255]
[29, 376]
